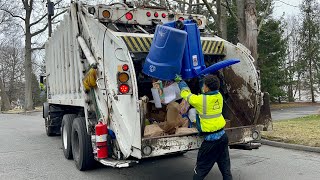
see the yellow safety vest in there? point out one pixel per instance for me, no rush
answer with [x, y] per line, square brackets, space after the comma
[209, 110]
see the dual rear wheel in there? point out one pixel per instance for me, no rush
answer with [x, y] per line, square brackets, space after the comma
[76, 142]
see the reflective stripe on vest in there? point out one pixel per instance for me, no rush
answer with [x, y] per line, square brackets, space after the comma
[188, 98]
[204, 115]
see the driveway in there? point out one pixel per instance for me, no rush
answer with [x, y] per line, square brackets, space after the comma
[289, 113]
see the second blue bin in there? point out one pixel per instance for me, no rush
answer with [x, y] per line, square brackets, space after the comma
[193, 60]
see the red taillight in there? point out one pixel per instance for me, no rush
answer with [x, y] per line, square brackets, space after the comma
[164, 15]
[181, 18]
[148, 14]
[124, 89]
[129, 16]
[125, 67]
[156, 14]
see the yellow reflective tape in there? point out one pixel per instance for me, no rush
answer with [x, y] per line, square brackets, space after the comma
[142, 45]
[204, 45]
[217, 49]
[149, 40]
[129, 43]
[208, 47]
[222, 48]
[135, 44]
[213, 47]
[146, 42]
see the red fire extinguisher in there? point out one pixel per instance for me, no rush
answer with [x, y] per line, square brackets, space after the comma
[101, 140]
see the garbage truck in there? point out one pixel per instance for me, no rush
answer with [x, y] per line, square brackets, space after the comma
[99, 99]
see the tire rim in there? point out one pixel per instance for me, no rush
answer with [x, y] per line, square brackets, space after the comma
[65, 137]
[46, 124]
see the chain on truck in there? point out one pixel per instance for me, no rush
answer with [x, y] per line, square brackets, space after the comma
[98, 97]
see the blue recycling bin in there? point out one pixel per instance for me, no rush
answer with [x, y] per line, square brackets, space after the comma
[164, 60]
[193, 60]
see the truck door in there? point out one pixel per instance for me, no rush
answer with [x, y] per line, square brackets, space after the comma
[124, 105]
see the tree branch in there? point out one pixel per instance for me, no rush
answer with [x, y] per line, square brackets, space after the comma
[25, 5]
[224, 5]
[59, 14]
[184, 2]
[57, 2]
[55, 22]
[12, 15]
[36, 22]
[264, 16]
[31, 4]
[210, 10]
[231, 12]
[39, 31]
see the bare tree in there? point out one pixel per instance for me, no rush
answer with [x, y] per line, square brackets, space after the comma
[12, 71]
[4, 100]
[293, 69]
[29, 25]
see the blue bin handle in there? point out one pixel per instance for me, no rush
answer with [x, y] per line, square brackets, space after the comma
[217, 66]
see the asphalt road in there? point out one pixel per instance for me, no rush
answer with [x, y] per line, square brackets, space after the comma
[27, 153]
[289, 113]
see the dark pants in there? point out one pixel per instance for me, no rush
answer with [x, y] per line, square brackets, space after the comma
[211, 152]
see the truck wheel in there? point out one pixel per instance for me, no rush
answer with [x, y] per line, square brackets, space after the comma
[66, 128]
[81, 145]
[53, 120]
[49, 130]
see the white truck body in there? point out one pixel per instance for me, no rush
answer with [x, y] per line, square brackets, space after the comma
[83, 40]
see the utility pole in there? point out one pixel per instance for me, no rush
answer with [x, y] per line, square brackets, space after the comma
[50, 6]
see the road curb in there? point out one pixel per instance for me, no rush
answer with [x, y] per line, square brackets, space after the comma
[24, 112]
[290, 146]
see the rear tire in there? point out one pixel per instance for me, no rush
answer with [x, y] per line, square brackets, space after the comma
[81, 145]
[49, 130]
[66, 128]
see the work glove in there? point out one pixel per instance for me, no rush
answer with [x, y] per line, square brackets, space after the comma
[178, 78]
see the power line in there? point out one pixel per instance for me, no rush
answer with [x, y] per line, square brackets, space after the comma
[288, 4]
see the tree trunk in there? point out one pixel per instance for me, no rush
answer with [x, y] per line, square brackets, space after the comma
[28, 104]
[183, 6]
[190, 7]
[5, 103]
[218, 23]
[198, 7]
[247, 26]
[290, 93]
[311, 81]
[13, 72]
[223, 23]
[241, 22]
[251, 28]
[221, 20]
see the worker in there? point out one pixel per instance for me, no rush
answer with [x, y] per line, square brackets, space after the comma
[210, 123]
[42, 87]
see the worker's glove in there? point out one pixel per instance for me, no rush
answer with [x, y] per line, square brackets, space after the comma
[178, 78]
